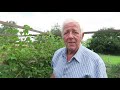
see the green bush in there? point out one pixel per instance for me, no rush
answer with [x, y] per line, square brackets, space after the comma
[106, 41]
[27, 59]
[113, 71]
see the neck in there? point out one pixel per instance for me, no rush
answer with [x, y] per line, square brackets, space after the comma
[70, 54]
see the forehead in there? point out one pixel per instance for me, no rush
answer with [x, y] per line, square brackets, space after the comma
[71, 25]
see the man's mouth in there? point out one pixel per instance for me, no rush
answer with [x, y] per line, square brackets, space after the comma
[71, 42]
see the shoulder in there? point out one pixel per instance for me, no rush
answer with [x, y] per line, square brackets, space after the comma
[91, 55]
[89, 52]
[56, 56]
[59, 51]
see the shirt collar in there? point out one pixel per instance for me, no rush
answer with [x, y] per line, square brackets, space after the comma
[77, 56]
[64, 52]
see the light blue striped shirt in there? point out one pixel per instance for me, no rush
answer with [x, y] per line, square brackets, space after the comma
[84, 64]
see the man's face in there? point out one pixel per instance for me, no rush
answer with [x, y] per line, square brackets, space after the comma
[72, 36]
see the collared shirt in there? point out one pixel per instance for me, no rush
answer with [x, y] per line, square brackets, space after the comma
[84, 64]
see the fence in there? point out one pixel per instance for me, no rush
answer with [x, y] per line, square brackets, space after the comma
[21, 27]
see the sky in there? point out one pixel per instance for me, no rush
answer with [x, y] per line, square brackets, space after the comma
[44, 21]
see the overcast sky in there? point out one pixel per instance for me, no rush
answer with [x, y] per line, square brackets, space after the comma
[44, 21]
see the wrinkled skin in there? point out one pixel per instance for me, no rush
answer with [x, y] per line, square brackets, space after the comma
[72, 36]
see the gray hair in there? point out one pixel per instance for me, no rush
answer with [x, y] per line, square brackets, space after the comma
[68, 21]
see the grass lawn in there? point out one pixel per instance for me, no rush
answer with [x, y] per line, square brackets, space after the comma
[112, 64]
[111, 59]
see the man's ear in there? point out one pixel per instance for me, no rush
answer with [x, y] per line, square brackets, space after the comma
[82, 35]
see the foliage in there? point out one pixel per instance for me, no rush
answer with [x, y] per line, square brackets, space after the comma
[113, 71]
[86, 43]
[27, 59]
[8, 29]
[32, 59]
[112, 64]
[106, 41]
[56, 30]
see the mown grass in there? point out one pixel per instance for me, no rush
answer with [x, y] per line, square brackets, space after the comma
[111, 59]
[112, 64]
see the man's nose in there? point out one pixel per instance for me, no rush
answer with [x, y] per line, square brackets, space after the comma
[70, 35]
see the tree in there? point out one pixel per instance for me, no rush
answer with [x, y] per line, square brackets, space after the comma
[8, 34]
[56, 30]
[106, 41]
[86, 43]
[8, 29]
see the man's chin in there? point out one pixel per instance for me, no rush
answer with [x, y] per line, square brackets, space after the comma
[72, 49]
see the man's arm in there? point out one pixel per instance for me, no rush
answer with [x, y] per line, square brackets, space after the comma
[101, 70]
[52, 76]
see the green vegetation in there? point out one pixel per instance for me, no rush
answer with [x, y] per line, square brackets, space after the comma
[106, 41]
[112, 64]
[111, 59]
[32, 59]
[27, 59]
[56, 30]
[113, 71]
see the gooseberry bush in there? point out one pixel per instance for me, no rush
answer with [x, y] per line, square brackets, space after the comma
[24, 58]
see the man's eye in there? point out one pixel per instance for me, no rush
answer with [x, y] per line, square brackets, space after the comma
[76, 32]
[65, 33]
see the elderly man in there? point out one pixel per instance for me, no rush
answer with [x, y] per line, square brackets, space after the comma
[75, 60]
